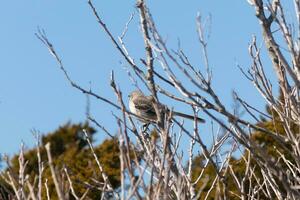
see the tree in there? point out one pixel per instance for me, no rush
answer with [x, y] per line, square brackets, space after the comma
[262, 172]
[279, 152]
[71, 157]
[6, 191]
[245, 172]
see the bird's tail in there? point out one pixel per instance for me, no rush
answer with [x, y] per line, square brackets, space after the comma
[188, 116]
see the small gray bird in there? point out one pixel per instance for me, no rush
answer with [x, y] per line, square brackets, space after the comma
[142, 106]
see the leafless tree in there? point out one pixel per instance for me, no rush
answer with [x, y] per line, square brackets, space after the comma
[163, 173]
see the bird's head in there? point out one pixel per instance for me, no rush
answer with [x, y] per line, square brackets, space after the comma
[135, 93]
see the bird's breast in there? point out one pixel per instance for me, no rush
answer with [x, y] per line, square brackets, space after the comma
[132, 107]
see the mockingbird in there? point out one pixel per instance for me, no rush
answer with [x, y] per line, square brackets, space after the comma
[142, 106]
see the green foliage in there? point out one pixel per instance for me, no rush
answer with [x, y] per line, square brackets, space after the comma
[6, 191]
[209, 174]
[205, 184]
[65, 138]
[69, 149]
[271, 147]
[82, 167]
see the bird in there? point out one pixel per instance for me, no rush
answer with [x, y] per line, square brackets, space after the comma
[142, 106]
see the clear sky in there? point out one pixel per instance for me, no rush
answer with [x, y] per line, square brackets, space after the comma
[34, 93]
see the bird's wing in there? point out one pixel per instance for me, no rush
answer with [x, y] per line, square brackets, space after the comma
[144, 105]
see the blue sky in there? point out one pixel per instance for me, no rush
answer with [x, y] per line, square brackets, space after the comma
[34, 93]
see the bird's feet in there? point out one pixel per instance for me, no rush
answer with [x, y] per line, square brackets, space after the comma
[145, 127]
